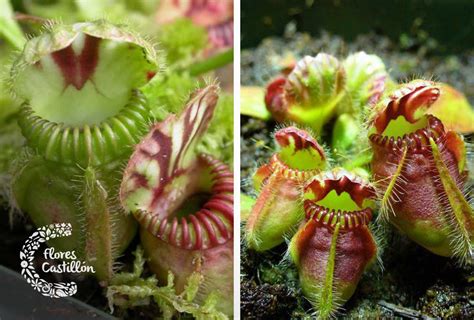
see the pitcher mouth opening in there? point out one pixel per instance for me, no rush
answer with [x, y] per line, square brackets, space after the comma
[404, 121]
[299, 150]
[86, 144]
[416, 141]
[330, 217]
[277, 165]
[209, 226]
[82, 74]
[79, 87]
[406, 108]
[340, 197]
[76, 92]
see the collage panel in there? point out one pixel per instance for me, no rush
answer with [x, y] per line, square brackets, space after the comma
[347, 128]
[116, 159]
[356, 159]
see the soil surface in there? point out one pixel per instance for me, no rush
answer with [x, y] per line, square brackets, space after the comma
[411, 283]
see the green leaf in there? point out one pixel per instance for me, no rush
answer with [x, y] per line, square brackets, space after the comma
[448, 108]
[252, 103]
[9, 28]
[246, 204]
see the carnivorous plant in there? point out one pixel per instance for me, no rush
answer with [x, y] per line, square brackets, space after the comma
[322, 87]
[334, 247]
[406, 139]
[276, 211]
[421, 169]
[183, 201]
[82, 112]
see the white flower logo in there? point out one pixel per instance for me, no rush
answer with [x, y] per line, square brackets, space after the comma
[27, 253]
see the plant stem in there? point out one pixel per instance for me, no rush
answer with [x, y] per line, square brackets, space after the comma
[212, 63]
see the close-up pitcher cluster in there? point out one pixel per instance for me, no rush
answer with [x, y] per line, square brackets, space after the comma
[339, 184]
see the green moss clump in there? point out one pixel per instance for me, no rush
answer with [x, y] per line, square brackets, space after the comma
[182, 39]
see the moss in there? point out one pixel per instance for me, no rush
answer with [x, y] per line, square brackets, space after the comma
[182, 39]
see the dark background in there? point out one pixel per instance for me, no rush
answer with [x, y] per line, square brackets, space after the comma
[450, 22]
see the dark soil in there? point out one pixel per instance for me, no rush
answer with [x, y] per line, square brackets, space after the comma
[412, 277]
